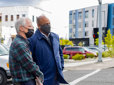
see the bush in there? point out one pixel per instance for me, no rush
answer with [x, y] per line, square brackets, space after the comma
[90, 55]
[65, 56]
[105, 54]
[78, 57]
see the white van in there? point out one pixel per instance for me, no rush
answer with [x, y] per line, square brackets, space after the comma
[4, 65]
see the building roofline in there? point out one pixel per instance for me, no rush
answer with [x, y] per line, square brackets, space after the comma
[27, 6]
[90, 7]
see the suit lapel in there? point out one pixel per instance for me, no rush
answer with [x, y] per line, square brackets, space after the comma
[53, 44]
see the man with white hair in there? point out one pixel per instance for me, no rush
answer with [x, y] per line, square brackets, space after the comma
[23, 70]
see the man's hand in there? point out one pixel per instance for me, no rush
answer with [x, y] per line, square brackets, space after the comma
[38, 81]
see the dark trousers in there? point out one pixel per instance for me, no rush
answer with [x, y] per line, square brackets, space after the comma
[30, 82]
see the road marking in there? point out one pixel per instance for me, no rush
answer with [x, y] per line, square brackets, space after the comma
[84, 77]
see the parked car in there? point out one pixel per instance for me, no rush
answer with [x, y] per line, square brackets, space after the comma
[4, 65]
[95, 49]
[90, 51]
[71, 51]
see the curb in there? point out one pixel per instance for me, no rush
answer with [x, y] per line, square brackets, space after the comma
[84, 63]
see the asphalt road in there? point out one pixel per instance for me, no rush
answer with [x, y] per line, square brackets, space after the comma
[90, 77]
[91, 74]
[102, 77]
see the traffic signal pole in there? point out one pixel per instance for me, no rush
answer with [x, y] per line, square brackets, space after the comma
[100, 32]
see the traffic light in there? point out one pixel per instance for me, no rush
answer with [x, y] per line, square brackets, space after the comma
[95, 33]
[104, 32]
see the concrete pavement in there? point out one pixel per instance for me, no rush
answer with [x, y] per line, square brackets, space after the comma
[89, 64]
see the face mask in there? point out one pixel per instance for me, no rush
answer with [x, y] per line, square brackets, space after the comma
[29, 33]
[45, 28]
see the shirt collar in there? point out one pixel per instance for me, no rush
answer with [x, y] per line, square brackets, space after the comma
[41, 35]
[45, 35]
[22, 38]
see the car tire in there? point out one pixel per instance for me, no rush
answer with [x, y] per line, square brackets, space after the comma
[3, 78]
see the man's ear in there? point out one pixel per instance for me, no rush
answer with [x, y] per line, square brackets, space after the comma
[38, 26]
[21, 28]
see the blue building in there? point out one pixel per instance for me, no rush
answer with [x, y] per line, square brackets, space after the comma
[83, 21]
[111, 18]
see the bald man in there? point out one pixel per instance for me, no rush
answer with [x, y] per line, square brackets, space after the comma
[47, 53]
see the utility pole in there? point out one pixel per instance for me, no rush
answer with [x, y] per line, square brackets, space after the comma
[100, 31]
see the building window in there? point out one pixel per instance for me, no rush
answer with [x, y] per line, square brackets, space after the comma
[70, 18]
[86, 24]
[32, 18]
[79, 15]
[86, 14]
[113, 10]
[79, 24]
[113, 31]
[70, 30]
[6, 18]
[12, 26]
[92, 12]
[0, 18]
[86, 33]
[17, 16]
[11, 17]
[113, 22]
[23, 15]
[92, 23]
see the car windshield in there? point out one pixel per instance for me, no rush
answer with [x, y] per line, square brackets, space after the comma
[87, 49]
[94, 49]
[75, 49]
[3, 50]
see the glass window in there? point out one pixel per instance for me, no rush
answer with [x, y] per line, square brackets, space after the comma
[86, 14]
[3, 50]
[113, 10]
[74, 26]
[6, 18]
[70, 30]
[92, 23]
[86, 33]
[11, 17]
[0, 18]
[70, 18]
[23, 15]
[93, 13]
[68, 49]
[17, 16]
[11, 26]
[86, 24]
[32, 18]
[79, 24]
[113, 31]
[79, 15]
[113, 21]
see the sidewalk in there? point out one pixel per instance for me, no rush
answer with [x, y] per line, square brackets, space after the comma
[73, 63]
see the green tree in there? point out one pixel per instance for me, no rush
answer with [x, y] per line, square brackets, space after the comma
[80, 44]
[66, 42]
[108, 40]
[112, 50]
[97, 42]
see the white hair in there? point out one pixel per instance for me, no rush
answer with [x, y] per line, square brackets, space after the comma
[20, 22]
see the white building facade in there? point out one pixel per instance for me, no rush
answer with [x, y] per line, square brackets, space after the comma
[83, 21]
[9, 15]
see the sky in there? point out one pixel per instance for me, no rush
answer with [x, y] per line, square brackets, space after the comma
[59, 10]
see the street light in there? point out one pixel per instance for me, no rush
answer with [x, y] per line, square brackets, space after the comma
[100, 1]
[100, 31]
